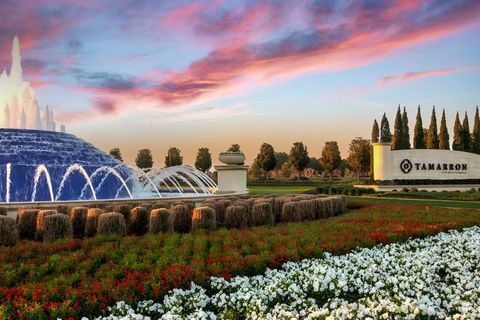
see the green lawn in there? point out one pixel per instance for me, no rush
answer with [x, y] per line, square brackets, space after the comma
[263, 190]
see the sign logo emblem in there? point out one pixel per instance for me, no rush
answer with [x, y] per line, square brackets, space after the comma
[406, 166]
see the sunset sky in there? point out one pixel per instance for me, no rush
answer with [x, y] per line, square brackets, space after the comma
[154, 74]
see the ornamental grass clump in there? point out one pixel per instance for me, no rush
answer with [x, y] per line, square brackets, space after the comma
[57, 226]
[78, 215]
[160, 204]
[182, 218]
[220, 210]
[124, 209]
[248, 211]
[26, 223]
[262, 214]
[161, 220]
[306, 210]
[8, 231]
[138, 224]
[278, 206]
[111, 223]
[339, 204]
[291, 212]
[320, 205]
[204, 218]
[40, 225]
[236, 217]
[92, 221]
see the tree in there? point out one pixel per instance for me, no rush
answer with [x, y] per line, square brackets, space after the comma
[432, 136]
[406, 130]
[457, 135]
[173, 157]
[255, 171]
[466, 136]
[443, 136]
[359, 155]
[266, 158]
[203, 162]
[234, 148]
[476, 133]
[314, 164]
[418, 135]
[280, 158]
[375, 132]
[330, 159]
[298, 157]
[115, 153]
[144, 159]
[385, 134]
[397, 140]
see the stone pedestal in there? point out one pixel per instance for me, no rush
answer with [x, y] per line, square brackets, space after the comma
[232, 178]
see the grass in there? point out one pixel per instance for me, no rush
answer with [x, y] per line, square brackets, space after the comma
[441, 195]
[77, 278]
[279, 190]
[424, 202]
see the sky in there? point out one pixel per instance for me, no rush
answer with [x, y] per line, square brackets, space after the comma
[190, 74]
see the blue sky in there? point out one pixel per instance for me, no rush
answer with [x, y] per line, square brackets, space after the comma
[132, 74]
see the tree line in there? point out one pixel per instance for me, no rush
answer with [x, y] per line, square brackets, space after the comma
[144, 159]
[431, 138]
[268, 159]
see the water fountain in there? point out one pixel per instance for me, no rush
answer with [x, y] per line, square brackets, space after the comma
[37, 165]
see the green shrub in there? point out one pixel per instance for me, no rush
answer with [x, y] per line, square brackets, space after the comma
[26, 223]
[332, 190]
[262, 214]
[78, 215]
[182, 218]
[204, 218]
[111, 223]
[236, 217]
[8, 231]
[161, 220]
[124, 209]
[138, 224]
[92, 221]
[40, 225]
[57, 226]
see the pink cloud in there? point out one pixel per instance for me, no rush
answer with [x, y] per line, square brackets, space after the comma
[416, 75]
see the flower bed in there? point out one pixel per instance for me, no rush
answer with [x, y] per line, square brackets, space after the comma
[435, 277]
[77, 278]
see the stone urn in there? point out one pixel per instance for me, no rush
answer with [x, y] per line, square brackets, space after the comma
[232, 158]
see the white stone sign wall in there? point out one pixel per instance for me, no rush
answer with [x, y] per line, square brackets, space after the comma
[424, 164]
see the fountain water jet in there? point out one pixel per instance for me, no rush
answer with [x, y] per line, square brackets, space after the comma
[38, 172]
[70, 170]
[109, 171]
[9, 182]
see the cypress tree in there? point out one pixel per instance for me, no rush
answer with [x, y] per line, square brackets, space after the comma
[418, 136]
[406, 130]
[466, 137]
[432, 136]
[385, 134]
[443, 136]
[476, 134]
[457, 135]
[397, 141]
[375, 132]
